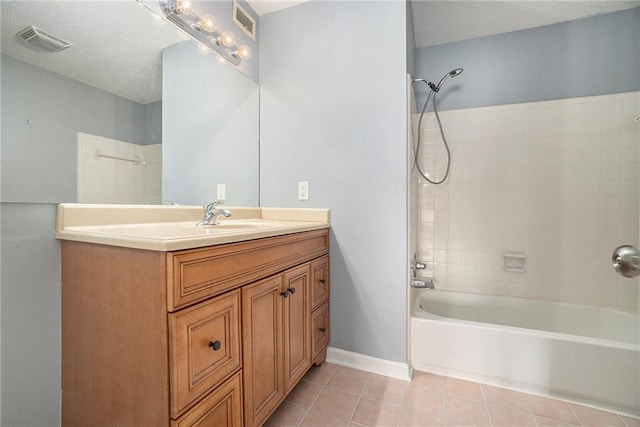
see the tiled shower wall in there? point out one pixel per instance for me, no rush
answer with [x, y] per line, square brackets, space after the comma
[105, 180]
[557, 181]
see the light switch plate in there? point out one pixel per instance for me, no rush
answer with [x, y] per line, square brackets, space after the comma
[303, 190]
[222, 192]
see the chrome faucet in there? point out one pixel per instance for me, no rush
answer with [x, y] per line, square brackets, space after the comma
[211, 214]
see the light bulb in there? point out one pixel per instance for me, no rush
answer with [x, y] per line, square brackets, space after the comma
[208, 23]
[242, 52]
[182, 5]
[227, 39]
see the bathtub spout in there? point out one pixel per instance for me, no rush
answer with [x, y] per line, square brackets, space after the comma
[423, 284]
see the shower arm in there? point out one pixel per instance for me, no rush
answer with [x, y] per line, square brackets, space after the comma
[431, 85]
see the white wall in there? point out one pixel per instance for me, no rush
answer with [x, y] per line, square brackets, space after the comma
[333, 112]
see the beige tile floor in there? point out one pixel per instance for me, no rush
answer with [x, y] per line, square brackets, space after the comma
[333, 395]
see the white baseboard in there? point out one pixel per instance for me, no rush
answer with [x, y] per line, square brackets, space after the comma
[366, 363]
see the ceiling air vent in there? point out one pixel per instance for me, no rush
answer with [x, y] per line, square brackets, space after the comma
[42, 39]
[243, 20]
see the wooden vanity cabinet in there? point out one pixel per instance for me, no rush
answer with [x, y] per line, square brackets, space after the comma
[213, 336]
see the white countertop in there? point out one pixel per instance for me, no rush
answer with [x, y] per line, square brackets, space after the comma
[170, 228]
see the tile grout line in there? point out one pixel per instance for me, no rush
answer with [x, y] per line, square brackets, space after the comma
[524, 397]
[444, 403]
[486, 405]
[317, 397]
[350, 420]
[404, 392]
[574, 414]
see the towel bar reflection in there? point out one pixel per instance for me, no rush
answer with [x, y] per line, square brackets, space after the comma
[136, 160]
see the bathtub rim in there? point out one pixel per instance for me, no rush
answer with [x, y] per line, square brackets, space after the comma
[418, 313]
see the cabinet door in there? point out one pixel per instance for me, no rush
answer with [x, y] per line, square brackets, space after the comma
[297, 324]
[319, 281]
[262, 344]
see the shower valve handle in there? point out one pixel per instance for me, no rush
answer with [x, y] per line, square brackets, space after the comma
[419, 265]
[626, 261]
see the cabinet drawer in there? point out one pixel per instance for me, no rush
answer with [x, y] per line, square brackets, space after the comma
[221, 408]
[320, 327]
[319, 281]
[197, 274]
[204, 348]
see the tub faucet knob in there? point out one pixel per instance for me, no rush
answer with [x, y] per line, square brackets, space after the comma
[419, 265]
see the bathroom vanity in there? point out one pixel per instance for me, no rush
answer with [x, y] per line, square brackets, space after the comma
[165, 323]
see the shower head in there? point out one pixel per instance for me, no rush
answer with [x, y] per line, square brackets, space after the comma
[453, 73]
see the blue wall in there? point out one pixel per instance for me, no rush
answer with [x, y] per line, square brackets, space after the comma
[216, 142]
[333, 112]
[591, 56]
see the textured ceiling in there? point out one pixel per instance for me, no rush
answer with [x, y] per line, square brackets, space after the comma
[117, 44]
[263, 7]
[438, 22]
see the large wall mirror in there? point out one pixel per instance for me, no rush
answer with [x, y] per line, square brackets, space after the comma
[113, 119]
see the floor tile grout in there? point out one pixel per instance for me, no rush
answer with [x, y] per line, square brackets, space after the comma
[350, 420]
[574, 414]
[486, 405]
[404, 392]
[317, 397]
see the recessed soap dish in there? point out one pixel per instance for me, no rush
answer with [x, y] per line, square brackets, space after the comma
[514, 261]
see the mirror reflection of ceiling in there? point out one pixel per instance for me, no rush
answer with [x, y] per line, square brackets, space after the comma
[116, 44]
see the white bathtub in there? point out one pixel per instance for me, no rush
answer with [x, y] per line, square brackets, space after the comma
[584, 354]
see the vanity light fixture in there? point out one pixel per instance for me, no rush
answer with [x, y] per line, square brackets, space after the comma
[204, 30]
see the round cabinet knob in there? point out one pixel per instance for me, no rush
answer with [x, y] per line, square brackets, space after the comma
[323, 281]
[323, 330]
[284, 294]
[292, 290]
[215, 345]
